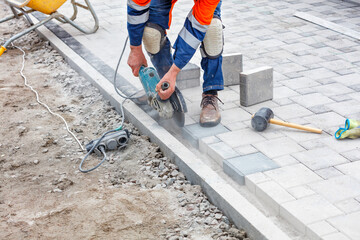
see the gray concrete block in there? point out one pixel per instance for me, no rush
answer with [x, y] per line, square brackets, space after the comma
[232, 67]
[189, 83]
[256, 86]
[188, 77]
[194, 132]
[237, 168]
[190, 71]
[221, 151]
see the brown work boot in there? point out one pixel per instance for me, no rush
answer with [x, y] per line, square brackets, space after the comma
[210, 113]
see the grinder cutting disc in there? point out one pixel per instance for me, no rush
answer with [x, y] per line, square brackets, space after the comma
[178, 102]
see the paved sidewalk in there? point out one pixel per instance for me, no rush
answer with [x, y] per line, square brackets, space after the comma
[311, 181]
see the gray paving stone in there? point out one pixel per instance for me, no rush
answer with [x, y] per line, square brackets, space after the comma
[256, 86]
[272, 194]
[319, 229]
[278, 147]
[319, 109]
[232, 67]
[291, 111]
[228, 105]
[327, 173]
[345, 71]
[341, 98]
[338, 188]
[205, 142]
[194, 132]
[346, 108]
[333, 89]
[241, 137]
[220, 151]
[228, 95]
[349, 205]
[284, 92]
[252, 180]
[310, 100]
[308, 210]
[336, 65]
[351, 169]
[241, 166]
[348, 80]
[293, 175]
[285, 160]
[299, 83]
[319, 73]
[319, 158]
[339, 145]
[190, 71]
[336, 236]
[289, 68]
[325, 120]
[348, 224]
[245, 150]
[353, 155]
[283, 101]
[234, 115]
[301, 191]
[236, 126]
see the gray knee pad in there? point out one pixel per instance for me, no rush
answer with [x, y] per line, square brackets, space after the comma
[153, 38]
[212, 45]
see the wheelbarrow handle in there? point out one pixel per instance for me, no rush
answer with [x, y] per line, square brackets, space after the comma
[2, 50]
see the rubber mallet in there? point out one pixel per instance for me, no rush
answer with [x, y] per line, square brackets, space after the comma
[264, 117]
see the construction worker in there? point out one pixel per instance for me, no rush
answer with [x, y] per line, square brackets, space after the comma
[147, 22]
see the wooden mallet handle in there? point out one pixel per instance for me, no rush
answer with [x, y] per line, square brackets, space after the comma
[293, 125]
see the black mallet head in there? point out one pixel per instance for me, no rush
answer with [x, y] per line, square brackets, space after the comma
[261, 119]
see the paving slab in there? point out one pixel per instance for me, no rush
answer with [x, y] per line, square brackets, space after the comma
[338, 188]
[348, 224]
[238, 167]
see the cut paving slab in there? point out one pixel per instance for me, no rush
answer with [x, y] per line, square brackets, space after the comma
[237, 168]
[194, 132]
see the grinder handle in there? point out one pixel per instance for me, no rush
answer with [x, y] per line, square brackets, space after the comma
[293, 125]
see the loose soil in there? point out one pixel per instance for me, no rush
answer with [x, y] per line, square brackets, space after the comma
[136, 194]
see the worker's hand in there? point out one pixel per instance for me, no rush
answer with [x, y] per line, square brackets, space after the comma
[169, 77]
[136, 59]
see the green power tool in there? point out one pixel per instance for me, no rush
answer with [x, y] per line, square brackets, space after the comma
[171, 108]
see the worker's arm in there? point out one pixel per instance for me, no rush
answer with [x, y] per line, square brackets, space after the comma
[137, 16]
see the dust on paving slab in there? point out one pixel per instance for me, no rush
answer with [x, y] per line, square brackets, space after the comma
[137, 194]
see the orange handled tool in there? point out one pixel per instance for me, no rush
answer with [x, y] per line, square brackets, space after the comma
[264, 116]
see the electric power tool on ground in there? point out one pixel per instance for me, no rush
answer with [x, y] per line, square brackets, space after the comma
[171, 108]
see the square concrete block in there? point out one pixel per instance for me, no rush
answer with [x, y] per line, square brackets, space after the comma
[256, 86]
[190, 71]
[232, 67]
[318, 229]
[188, 77]
[221, 151]
[194, 132]
[308, 210]
[348, 224]
[237, 168]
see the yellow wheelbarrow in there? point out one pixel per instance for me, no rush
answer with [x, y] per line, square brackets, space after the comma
[49, 7]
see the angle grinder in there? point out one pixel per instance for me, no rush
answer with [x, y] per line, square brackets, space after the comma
[171, 108]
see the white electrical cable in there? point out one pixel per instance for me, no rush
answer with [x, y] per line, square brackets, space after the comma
[41, 103]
